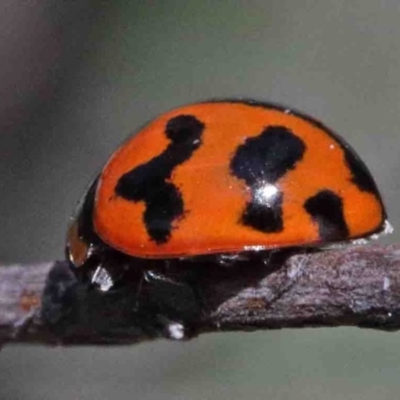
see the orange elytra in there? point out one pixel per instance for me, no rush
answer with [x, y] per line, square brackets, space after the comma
[226, 177]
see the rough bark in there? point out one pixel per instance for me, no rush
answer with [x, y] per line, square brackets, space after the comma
[359, 286]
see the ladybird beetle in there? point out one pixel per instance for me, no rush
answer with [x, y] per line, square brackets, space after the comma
[221, 178]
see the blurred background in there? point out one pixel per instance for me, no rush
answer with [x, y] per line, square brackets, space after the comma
[77, 77]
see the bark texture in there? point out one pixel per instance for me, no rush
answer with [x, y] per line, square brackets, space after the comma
[359, 286]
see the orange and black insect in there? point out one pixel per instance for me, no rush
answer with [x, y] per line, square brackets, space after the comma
[226, 177]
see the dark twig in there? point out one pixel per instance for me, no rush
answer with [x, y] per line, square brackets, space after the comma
[360, 286]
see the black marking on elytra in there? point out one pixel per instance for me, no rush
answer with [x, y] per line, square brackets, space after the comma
[150, 183]
[326, 209]
[361, 176]
[360, 173]
[85, 216]
[260, 162]
[84, 220]
[263, 217]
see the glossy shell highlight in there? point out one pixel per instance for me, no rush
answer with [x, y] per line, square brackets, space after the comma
[228, 176]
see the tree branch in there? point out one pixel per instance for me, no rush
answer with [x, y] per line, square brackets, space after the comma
[360, 286]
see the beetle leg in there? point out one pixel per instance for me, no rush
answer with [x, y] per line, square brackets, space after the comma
[174, 302]
[102, 279]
